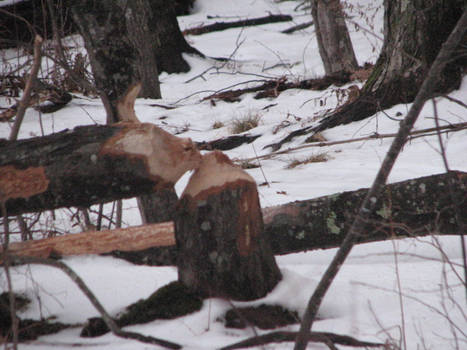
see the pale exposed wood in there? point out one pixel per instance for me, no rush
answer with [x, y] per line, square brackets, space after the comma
[98, 242]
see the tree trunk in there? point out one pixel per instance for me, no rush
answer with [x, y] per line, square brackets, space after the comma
[222, 250]
[169, 43]
[411, 208]
[91, 164]
[335, 47]
[159, 206]
[414, 31]
[141, 37]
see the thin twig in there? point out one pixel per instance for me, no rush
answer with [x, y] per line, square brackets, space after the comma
[24, 102]
[297, 27]
[285, 336]
[452, 193]
[370, 199]
[422, 132]
[6, 266]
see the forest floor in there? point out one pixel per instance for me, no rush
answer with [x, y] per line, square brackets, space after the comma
[407, 292]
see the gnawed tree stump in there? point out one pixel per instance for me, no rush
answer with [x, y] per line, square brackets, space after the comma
[90, 165]
[222, 250]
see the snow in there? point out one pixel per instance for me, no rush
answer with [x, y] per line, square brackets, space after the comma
[404, 291]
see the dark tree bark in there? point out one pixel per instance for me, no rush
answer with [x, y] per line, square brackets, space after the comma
[169, 43]
[335, 47]
[222, 250]
[413, 34]
[117, 61]
[219, 26]
[21, 20]
[411, 208]
[159, 206]
[91, 164]
[141, 38]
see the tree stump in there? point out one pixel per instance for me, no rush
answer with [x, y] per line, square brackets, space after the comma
[219, 233]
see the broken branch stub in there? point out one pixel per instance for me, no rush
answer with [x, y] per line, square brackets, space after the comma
[90, 165]
[222, 250]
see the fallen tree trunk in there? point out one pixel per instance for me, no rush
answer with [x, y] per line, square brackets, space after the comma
[218, 26]
[273, 88]
[90, 165]
[226, 143]
[416, 207]
[411, 208]
[98, 242]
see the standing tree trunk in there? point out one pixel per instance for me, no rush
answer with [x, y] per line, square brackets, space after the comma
[117, 51]
[169, 42]
[414, 31]
[142, 39]
[222, 250]
[335, 47]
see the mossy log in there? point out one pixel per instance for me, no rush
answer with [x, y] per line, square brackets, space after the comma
[90, 165]
[411, 208]
[222, 250]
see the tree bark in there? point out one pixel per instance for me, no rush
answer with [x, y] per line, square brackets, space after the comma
[115, 56]
[335, 47]
[22, 20]
[222, 250]
[411, 208]
[413, 34]
[169, 43]
[141, 37]
[159, 206]
[91, 164]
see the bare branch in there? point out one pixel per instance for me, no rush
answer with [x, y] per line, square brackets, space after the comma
[23, 104]
[319, 337]
[421, 132]
[370, 200]
[95, 302]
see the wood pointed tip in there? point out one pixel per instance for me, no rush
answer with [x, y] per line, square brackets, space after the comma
[126, 104]
[215, 170]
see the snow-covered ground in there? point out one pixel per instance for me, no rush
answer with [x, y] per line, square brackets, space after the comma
[408, 291]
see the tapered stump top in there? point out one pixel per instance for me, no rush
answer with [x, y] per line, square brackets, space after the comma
[219, 232]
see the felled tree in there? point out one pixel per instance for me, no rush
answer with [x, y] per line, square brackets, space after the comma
[91, 164]
[222, 250]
